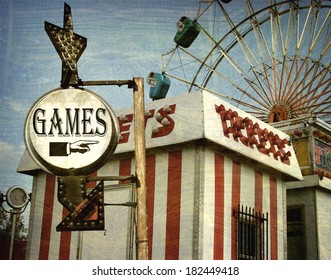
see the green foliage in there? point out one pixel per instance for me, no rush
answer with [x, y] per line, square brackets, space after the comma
[6, 226]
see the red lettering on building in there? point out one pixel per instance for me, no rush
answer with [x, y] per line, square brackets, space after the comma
[250, 134]
[168, 124]
[124, 123]
[149, 115]
[162, 117]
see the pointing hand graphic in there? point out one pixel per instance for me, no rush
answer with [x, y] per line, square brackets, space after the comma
[81, 146]
[65, 148]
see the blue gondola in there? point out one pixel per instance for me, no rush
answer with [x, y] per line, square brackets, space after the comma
[159, 85]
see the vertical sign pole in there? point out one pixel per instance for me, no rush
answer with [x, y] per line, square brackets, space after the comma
[140, 155]
[12, 235]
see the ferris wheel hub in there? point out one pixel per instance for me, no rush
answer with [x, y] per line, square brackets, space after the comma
[280, 112]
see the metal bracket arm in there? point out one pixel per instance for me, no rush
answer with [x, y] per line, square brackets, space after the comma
[132, 178]
[106, 83]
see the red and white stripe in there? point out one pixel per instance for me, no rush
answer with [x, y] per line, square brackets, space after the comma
[192, 191]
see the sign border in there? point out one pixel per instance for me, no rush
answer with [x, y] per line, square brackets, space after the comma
[81, 171]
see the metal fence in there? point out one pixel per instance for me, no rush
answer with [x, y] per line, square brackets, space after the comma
[252, 234]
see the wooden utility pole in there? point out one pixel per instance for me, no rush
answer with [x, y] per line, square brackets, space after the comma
[140, 158]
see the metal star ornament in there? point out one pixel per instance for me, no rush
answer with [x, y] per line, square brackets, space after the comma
[68, 45]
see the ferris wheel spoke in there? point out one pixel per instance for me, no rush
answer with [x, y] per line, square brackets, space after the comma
[255, 88]
[324, 112]
[326, 44]
[200, 13]
[244, 74]
[313, 99]
[325, 94]
[320, 76]
[324, 29]
[264, 51]
[292, 82]
[308, 104]
[284, 76]
[259, 36]
[235, 64]
[180, 79]
[292, 25]
[310, 18]
[263, 65]
[268, 83]
[276, 31]
[243, 91]
[171, 52]
[235, 100]
[277, 43]
[309, 86]
[311, 108]
[309, 83]
[240, 39]
[225, 96]
[265, 95]
[296, 81]
[291, 34]
[325, 50]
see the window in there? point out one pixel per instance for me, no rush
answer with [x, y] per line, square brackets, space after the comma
[252, 234]
[296, 244]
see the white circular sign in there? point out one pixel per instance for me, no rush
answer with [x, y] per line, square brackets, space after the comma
[71, 132]
[17, 197]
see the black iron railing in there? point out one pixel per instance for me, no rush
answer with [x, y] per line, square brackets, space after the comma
[252, 234]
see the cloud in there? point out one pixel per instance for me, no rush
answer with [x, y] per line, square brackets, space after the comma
[17, 106]
[10, 153]
[5, 147]
[10, 156]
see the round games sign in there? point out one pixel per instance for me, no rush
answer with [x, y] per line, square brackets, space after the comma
[71, 132]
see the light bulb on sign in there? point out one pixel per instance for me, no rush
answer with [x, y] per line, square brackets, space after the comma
[17, 197]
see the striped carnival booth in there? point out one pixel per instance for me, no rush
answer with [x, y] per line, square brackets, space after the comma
[215, 188]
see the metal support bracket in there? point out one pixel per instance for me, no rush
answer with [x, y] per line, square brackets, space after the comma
[86, 209]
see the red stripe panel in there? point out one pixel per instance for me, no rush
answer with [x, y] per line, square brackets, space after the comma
[235, 202]
[258, 207]
[125, 169]
[46, 225]
[273, 218]
[258, 191]
[173, 205]
[92, 184]
[65, 240]
[219, 207]
[150, 183]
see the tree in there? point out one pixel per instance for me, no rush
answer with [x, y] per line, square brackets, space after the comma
[6, 226]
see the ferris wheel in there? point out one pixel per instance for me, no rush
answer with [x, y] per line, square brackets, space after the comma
[271, 59]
